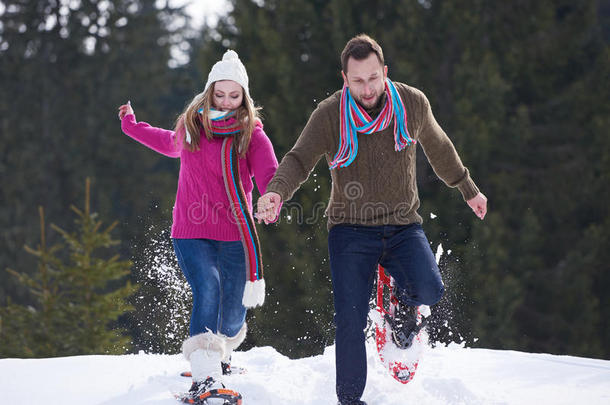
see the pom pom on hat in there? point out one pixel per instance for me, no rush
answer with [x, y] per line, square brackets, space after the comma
[229, 68]
[230, 55]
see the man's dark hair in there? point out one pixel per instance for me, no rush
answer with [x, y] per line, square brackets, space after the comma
[359, 48]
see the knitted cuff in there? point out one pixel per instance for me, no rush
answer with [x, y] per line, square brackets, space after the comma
[128, 120]
[279, 186]
[468, 189]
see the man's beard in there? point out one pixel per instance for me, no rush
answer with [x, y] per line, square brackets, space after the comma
[375, 102]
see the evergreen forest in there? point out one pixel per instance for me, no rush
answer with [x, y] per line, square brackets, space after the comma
[521, 87]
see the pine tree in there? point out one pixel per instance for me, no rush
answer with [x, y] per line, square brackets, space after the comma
[33, 330]
[78, 294]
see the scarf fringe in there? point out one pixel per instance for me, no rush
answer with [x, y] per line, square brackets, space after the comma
[254, 293]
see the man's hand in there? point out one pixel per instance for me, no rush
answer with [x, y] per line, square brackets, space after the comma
[268, 207]
[478, 205]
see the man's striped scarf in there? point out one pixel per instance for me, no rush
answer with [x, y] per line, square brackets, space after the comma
[354, 119]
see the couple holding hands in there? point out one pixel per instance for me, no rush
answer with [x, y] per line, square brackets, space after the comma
[367, 132]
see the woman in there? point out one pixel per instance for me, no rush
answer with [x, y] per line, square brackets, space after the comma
[221, 144]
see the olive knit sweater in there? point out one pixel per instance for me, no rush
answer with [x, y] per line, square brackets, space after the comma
[379, 187]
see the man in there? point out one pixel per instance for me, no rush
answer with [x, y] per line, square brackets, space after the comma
[367, 132]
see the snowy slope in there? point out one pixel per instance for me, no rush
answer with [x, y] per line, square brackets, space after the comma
[447, 375]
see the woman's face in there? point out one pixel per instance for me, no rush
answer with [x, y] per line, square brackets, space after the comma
[228, 95]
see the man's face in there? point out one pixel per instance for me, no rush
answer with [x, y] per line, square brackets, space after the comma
[366, 80]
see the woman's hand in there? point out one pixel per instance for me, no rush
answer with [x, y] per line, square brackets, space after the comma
[268, 207]
[125, 109]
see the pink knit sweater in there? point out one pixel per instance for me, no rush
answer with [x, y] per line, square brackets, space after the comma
[202, 207]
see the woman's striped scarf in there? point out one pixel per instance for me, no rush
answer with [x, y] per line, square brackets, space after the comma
[225, 125]
[354, 119]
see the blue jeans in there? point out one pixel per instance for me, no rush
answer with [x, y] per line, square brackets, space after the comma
[216, 272]
[355, 251]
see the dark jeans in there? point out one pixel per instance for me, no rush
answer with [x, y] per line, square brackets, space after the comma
[355, 251]
[216, 272]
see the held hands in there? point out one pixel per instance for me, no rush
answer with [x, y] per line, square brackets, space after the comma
[268, 207]
[478, 205]
[125, 109]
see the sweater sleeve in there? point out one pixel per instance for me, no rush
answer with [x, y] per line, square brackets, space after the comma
[298, 163]
[442, 155]
[261, 159]
[158, 139]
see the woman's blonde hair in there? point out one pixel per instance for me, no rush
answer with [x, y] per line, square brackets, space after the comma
[247, 114]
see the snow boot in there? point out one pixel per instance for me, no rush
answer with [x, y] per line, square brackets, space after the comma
[404, 325]
[205, 353]
[207, 387]
[219, 342]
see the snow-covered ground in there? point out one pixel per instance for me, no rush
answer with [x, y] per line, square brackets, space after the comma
[446, 375]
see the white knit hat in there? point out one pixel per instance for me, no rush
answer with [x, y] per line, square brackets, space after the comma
[229, 68]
